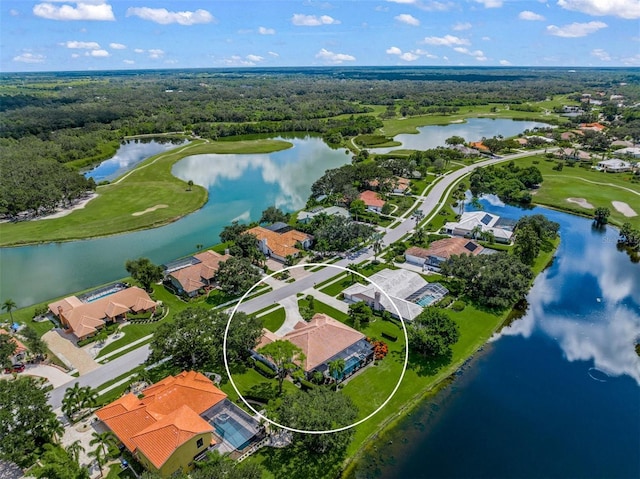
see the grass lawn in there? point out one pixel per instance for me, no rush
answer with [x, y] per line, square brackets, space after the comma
[336, 288]
[403, 203]
[320, 307]
[597, 187]
[149, 185]
[273, 320]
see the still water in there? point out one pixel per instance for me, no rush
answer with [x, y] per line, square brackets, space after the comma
[474, 129]
[128, 155]
[556, 394]
[240, 188]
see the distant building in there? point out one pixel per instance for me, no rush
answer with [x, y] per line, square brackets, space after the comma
[629, 152]
[440, 251]
[84, 319]
[614, 166]
[592, 126]
[281, 243]
[198, 275]
[407, 290]
[401, 185]
[306, 216]
[21, 349]
[479, 221]
[478, 145]
[465, 150]
[372, 201]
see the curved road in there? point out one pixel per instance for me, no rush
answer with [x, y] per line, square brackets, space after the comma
[430, 206]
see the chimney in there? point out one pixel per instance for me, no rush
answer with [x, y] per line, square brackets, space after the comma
[226, 251]
[376, 301]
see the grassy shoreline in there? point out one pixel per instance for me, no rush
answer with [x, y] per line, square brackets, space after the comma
[141, 199]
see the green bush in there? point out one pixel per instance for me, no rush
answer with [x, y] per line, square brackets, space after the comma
[263, 369]
[306, 385]
[399, 259]
[390, 337]
[445, 302]
[458, 305]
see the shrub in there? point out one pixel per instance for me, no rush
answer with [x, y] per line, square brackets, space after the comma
[263, 369]
[445, 302]
[399, 259]
[306, 385]
[390, 337]
[458, 305]
[380, 348]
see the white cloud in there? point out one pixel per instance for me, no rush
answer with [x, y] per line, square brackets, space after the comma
[117, 46]
[13, 12]
[156, 53]
[505, 62]
[530, 16]
[447, 40]
[575, 30]
[486, 39]
[165, 17]
[29, 58]
[409, 57]
[139, 50]
[490, 3]
[81, 45]
[425, 53]
[394, 51]
[458, 27]
[75, 55]
[335, 58]
[477, 54]
[128, 62]
[255, 58]
[273, 54]
[266, 31]
[98, 53]
[408, 19]
[632, 61]
[601, 54]
[239, 61]
[629, 9]
[302, 20]
[86, 10]
[427, 5]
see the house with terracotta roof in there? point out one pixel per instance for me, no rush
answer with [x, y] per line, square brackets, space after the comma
[440, 251]
[281, 243]
[84, 319]
[171, 423]
[322, 340]
[592, 126]
[401, 185]
[197, 275]
[18, 355]
[478, 145]
[372, 200]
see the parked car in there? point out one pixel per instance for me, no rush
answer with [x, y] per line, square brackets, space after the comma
[16, 368]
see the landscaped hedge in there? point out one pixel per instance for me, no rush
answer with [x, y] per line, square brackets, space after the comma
[458, 305]
[445, 302]
[263, 369]
[306, 385]
[390, 337]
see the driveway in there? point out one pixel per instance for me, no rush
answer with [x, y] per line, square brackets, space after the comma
[72, 356]
[54, 375]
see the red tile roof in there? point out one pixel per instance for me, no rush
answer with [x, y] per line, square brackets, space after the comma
[371, 198]
[281, 244]
[320, 339]
[193, 277]
[21, 348]
[445, 248]
[164, 417]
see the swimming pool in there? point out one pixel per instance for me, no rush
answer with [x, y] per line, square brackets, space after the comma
[232, 431]
[426, 300]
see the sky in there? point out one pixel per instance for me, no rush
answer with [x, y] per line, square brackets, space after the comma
[64, 35]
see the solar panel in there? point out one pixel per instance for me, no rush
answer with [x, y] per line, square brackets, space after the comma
[471, 246]
[486, 219]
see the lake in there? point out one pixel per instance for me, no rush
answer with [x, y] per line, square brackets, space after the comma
[474, 129]
[555, 394]
[130, 153]
[240, 188]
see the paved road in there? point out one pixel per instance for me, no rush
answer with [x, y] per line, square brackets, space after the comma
[430, 205]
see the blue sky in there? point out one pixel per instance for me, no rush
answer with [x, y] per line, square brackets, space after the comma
[59, 35]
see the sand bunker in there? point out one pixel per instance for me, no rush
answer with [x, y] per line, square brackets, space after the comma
[149, 210]
[580, 202]
[624, 208]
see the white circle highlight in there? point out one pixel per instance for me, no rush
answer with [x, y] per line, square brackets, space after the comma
[328, 431]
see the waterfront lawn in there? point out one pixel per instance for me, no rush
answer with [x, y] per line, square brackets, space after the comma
[597, 187]
[147, 186]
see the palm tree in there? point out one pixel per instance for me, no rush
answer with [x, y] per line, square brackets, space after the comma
[54, 429]
[99, 457]
[71, 400]
[74, 449]
[9, 305]
[377, 245]
[104, 440]
[88, 397]
[476, 232]
[336, 368]
[353, 268]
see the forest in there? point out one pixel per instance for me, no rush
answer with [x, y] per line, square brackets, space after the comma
[54, 124]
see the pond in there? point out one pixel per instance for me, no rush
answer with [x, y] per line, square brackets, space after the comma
[474, 129]
[555, 394]
[130, 153]
[240, 188]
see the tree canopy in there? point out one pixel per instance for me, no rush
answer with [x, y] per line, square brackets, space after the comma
[195, 339]
[432, 332]
[286, 356]
[27, 422]
[236, 276]
[144, 272]
[509, 182]
[272, 215]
